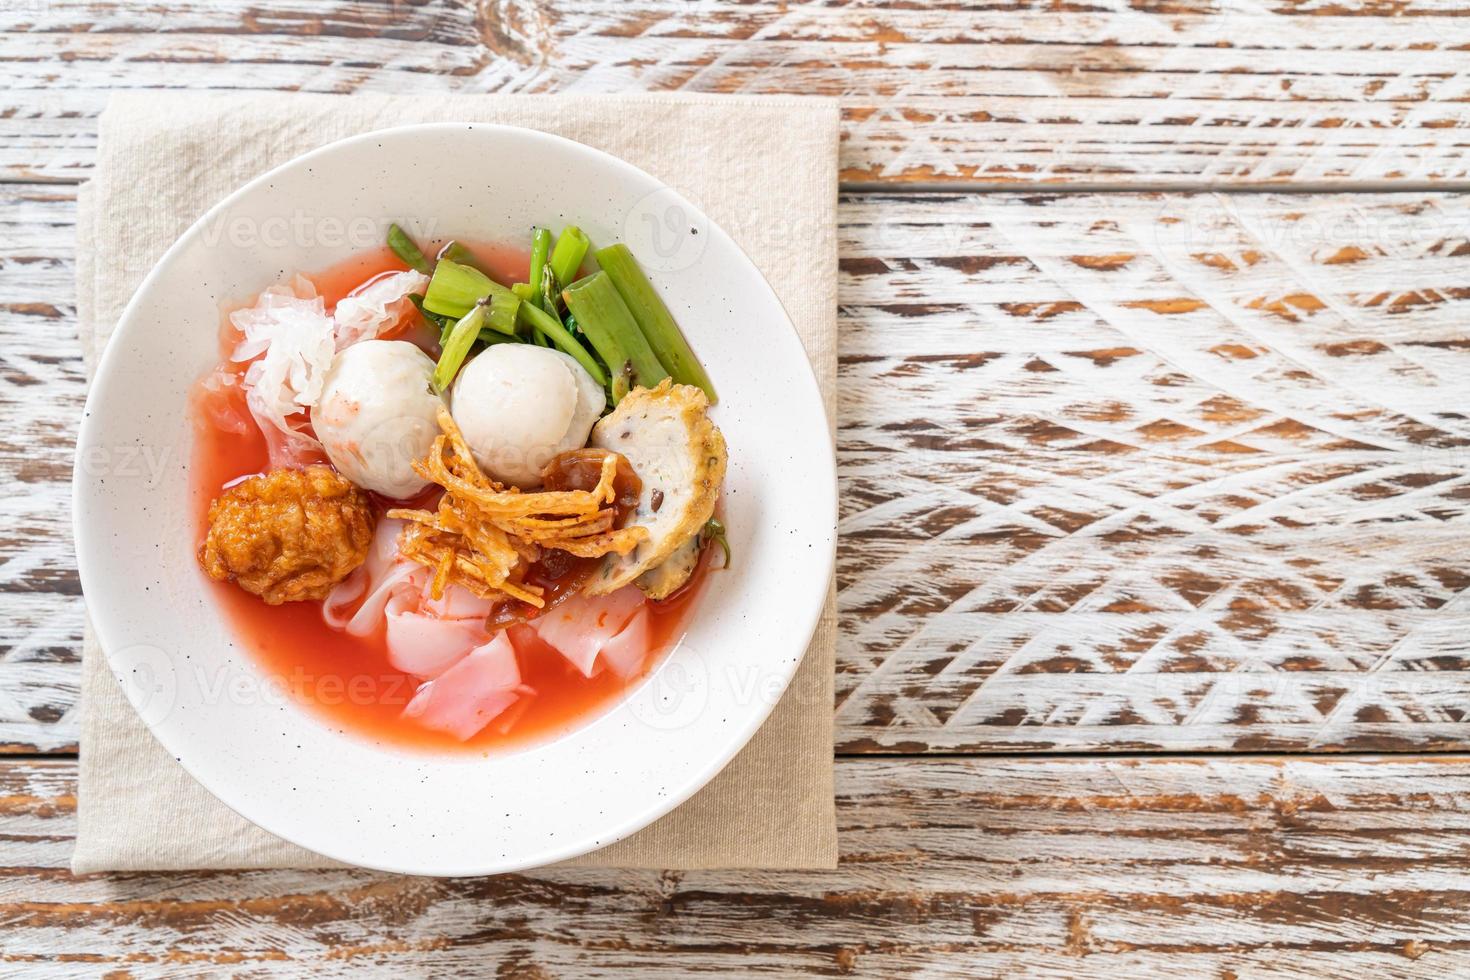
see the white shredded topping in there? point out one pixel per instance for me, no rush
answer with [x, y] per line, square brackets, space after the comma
[290, 342]
[290, 337]
[377, 303]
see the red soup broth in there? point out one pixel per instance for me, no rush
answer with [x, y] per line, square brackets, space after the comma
[347, 680]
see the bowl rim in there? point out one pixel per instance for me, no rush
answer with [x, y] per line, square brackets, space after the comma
[805, 625]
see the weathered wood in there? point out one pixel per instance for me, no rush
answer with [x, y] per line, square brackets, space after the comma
[1118, 472]
[42, 389]
[961, 867]
[1179, 472]
[1118, 92]
[1154, 471]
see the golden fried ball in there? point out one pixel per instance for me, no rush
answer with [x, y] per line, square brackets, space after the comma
[288, 534]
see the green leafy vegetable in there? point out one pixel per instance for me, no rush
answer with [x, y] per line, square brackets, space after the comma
[405, 249]
[606, 322]
[616, 326]
[457, 346]
[571, 249]
[654, 320]
[455, 287]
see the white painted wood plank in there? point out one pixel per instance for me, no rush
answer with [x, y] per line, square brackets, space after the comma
[1048, 867]
[42, 388]
[1232, 93]
[1148, 470]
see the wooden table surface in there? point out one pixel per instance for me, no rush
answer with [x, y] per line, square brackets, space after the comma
[1155, 467]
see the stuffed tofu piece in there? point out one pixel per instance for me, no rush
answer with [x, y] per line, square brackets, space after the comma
[679, 454]
[669, 575]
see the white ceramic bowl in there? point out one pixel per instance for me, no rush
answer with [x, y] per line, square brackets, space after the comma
[278, 764]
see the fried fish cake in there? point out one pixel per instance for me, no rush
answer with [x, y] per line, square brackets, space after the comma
[289, 534]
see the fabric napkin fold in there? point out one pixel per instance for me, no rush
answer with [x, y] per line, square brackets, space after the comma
[164, 159]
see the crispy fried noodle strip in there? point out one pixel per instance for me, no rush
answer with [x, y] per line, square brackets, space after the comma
[484, 535]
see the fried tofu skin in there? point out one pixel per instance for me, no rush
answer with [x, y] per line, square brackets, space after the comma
[289, 534]
[679, 454]
[485, 535]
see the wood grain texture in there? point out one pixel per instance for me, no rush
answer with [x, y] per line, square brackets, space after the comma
[1118, 472]
[950, 868]
[1120, 92]
[42, 389]
[1183, 472]
[1137, 471]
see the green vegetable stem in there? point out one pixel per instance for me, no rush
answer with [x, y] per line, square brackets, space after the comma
[540, 248]
[405, 249]
[566, 258]
[654, 320]
[550, 327]
[457, 347]
[455, 287]
[606, 322]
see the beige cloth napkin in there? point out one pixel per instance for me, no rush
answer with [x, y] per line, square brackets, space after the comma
[165, 159]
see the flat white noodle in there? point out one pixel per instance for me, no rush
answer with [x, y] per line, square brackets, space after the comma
[625, 652]
[469, 695]
[343, 594]
[581, 627]
[367, 577]
[368, 615]
[424, 645]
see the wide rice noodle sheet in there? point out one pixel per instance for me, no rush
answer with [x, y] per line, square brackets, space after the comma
[377, 306]
[289, 341]
[374, 582]
[425, 645]
[469, 695]
[624, 654]
[457, 602]
[580, 628]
